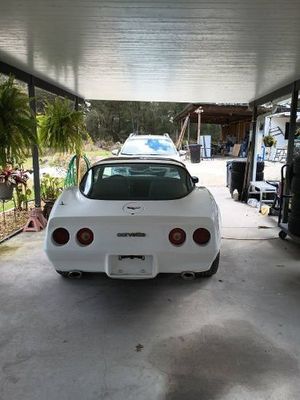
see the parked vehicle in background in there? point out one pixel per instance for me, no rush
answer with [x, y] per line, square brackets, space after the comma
[149, 146]
[133, 218]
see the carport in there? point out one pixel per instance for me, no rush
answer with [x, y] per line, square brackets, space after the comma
[235, 336]
[234, 119]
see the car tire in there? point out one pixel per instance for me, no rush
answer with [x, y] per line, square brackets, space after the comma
[282, 235]
[212, 270]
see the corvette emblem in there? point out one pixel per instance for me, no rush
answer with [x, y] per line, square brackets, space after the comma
[133, 208]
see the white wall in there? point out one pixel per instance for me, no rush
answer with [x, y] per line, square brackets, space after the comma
[270, 122]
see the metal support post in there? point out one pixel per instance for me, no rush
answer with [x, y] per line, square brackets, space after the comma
[290, 151]
[78, 156]
[253, 165]
[35, 150]
[253, 162]
[199, 111]
[251, 154]
[76, 103]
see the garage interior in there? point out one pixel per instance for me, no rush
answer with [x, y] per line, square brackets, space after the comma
[235, 336]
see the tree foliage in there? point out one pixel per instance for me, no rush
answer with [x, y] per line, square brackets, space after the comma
[117, 119]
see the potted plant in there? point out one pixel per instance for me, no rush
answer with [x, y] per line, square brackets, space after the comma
[17, 134]
[62, 129]
[22, 192]
[51, 187]
[269, 141]
[12, 178]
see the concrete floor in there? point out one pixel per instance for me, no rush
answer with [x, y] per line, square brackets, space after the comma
[213, 172]
[234, 336]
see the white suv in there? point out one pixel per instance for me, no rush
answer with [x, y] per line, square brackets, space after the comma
[150, 146]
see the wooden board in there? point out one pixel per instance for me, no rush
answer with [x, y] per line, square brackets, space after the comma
[236, 150]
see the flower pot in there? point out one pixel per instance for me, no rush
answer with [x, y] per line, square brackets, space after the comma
[269, 141]
[6, 191]
[48, 207]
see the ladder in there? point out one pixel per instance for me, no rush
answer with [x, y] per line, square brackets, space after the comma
[280, 155]
[181, 135]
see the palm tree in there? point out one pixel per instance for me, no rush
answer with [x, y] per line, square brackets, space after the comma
[17, 134]
[17, 125]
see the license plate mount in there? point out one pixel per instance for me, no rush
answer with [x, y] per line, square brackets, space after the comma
[130, 265]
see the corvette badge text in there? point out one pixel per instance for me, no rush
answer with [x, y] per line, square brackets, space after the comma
[131, 234]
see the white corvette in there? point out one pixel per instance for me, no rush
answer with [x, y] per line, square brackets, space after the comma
[133, 218]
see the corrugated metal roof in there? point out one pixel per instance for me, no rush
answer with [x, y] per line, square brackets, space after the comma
[227, 51]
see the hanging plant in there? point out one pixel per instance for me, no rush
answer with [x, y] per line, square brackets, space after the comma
[269, 141]
[62, 128]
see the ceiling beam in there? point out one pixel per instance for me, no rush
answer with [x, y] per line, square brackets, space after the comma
[276, 94]
[38, 82]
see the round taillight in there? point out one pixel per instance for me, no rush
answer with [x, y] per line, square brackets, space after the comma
[85, 236]
[60, 236]
[201, 236]
[177, 236]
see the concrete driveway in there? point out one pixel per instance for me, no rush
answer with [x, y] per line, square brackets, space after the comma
[234, 336]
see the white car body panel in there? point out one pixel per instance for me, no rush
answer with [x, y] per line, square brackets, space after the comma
[154, 218]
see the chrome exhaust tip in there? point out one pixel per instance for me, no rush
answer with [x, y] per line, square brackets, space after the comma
[188, 275]
[74, 274]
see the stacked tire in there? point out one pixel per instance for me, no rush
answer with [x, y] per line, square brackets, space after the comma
[294, 216]
[238, 174]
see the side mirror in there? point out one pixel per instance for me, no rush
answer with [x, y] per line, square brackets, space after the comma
[115, 152]
[195, 179]
[182, 152]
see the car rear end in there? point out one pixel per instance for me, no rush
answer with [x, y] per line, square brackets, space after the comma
[133, 246]
[134, 238]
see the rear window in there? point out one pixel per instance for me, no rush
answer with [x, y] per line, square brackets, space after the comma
[136, 181]
[151, 146]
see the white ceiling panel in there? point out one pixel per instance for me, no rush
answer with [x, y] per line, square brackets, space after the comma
[191, 51]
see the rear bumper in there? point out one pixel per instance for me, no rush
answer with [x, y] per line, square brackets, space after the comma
[139, 266]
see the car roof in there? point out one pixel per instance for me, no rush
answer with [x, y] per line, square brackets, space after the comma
[134, 136]
[140, 159]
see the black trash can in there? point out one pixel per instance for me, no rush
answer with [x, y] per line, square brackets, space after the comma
[294, 215]
[195, 153]
[236, 174]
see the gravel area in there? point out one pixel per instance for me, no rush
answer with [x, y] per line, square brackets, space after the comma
[11, 222]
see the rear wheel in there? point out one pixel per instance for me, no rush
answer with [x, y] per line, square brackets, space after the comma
[212, 270]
